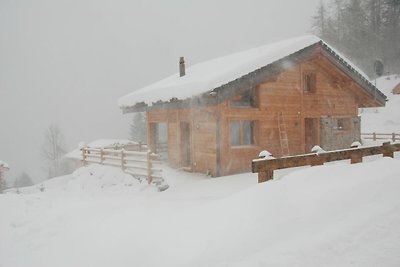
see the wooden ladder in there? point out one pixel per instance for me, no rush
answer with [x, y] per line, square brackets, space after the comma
[283, 135]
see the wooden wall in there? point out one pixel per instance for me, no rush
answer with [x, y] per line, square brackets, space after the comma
[335, 96]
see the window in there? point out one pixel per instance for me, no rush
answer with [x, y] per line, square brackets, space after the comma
[242, 133]
[245, 100]
[309, 82]
[342, 124]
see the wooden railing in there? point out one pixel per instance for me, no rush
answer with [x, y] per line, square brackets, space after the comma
[265, 167]
[381, 136]
[141, 164]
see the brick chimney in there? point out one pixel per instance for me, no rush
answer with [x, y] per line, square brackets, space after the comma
[181, 66]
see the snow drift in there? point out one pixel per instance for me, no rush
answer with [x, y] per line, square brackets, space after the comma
[334, 215]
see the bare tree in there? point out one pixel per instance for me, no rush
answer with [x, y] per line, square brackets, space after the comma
[138, 128]
[53, 151]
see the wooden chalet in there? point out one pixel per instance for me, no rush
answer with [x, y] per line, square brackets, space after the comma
[396, 90]
[216, 116]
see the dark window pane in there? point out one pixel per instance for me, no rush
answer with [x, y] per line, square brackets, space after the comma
[235, 133]
[310, 82]
[248, 133]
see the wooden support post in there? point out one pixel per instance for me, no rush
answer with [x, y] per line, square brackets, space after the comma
[317, 161]
[122, 159]
[374, 136]
[387, 150]
[356, 157]
[265, 176]
[394, 137]
[101, 156]
[84, 156]
[149, 166]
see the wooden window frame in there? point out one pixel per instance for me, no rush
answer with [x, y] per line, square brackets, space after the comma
[310, 82]
[241, 142]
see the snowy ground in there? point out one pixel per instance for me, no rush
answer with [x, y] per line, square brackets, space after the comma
[332, 215]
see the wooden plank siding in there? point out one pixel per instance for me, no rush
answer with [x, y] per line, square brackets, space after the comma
[335, 96]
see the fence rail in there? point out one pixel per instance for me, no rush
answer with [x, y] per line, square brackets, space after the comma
[142, 164]
[381, 136]
[265, 167]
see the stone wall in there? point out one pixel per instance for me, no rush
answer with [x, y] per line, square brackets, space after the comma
[339, 132]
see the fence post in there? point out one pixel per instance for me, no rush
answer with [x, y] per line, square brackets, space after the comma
[387, 150]
[355, 157]
[83, 156]
[149, 166]
[374, 136]
[101, 155]
[394, 137]
[122, 159]
[264, 176]
[140, 146]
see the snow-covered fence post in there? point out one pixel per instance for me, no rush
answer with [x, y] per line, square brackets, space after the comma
[394, 137]
[387, 150]
[356, 156]
[374, 136]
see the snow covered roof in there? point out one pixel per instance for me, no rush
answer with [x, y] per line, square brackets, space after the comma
[204, 77]
[100, 143]
[3, 165]
[386, 84]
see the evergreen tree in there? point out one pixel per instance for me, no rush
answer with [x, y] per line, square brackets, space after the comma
[319, 20]
[3, 169]
[363, 30]
[138, 128]
[2, 181]
[23, 180]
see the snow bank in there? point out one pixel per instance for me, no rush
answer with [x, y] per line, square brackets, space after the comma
[334, 215]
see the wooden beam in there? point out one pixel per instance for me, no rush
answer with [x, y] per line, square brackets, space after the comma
[265, 166]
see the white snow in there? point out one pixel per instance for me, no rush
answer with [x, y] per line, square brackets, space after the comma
[385, 119]
[206, 76]
[333, 215]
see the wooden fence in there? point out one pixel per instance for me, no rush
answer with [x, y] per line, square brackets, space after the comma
[381, 136]
[141, 164]
[265, 167]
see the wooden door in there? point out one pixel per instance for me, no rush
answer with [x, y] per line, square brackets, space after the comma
[311, 133]
[186, 158]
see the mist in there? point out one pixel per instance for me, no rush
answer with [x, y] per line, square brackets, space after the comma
[67, 62]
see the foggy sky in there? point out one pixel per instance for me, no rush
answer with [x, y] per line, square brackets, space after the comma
[68, 61]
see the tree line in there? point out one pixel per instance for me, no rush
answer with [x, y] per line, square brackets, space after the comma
[362, 30]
